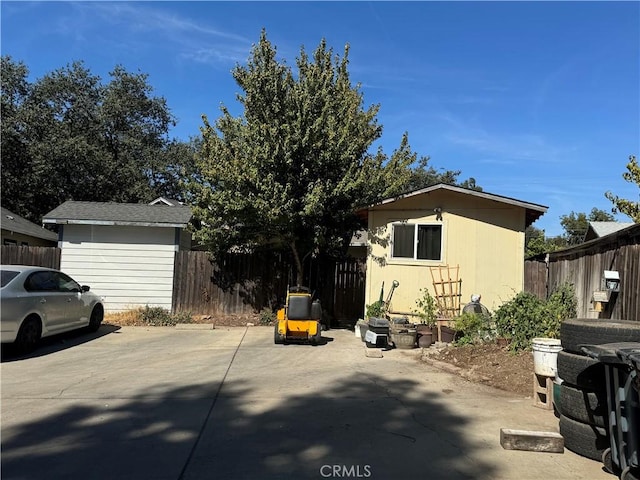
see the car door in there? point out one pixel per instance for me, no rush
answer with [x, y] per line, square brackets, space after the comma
[77, 312]
[44, 295]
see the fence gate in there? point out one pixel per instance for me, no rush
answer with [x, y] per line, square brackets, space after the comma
[349, 290]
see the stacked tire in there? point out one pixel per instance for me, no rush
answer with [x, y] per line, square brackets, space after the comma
[582, 404]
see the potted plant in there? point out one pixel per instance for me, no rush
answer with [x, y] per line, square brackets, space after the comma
[427, 311]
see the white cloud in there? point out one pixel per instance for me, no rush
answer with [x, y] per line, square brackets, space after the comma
[141, 24]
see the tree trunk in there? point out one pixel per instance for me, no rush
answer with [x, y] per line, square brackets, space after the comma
[296, 257]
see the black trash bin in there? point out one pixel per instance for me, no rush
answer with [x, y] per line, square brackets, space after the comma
[622, 377]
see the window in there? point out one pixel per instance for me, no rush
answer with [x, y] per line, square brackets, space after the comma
[418, 242]
[67, 284]
[43, 281]
[7, 276]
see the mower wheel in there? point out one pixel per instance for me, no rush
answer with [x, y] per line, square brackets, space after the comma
[278, 338]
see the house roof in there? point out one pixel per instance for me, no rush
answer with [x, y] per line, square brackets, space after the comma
[112, 213]
[533, 210]
[17, 224]
[600, 229]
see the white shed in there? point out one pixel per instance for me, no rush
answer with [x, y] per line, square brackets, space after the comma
[124, 251]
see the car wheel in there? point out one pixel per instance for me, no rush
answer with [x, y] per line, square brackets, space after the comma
[577, 332]
[586, 440]
[28, 335]
[97, 314]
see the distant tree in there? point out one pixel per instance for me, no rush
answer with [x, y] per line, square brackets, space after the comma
[628, 207]
[575, 225]
[69, 136]
[535, 242]
[422, 175]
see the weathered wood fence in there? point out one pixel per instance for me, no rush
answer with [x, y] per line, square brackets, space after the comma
[247, 283]
[40, 256]
[584, 265]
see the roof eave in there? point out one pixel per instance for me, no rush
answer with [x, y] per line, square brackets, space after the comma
[488, 196]
[60, 221]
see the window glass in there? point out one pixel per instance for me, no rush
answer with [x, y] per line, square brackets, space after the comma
[429, 242]
[7, 276]
[67, 284]
[41, 282]
[403, 241]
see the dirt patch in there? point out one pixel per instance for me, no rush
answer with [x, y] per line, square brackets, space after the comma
[489, 364]
[132, 319]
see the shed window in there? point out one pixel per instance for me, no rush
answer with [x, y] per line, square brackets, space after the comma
[418, 242]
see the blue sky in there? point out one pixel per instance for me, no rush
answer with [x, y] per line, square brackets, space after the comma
[536, 100]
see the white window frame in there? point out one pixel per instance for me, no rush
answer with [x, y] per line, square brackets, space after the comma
[416, 226]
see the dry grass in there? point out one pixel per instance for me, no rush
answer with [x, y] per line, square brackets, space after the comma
[145, 316]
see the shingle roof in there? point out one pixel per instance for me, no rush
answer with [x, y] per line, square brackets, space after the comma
[15, 223]
[605, 228]
[112, 213]
[533, 211]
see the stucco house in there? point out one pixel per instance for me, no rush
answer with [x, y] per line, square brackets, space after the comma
[19, 231]
[124, 251]
[480, 233]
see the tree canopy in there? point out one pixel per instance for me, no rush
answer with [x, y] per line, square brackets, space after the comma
[295, 167]
[575, 225]
[69, 136]
[628, 207]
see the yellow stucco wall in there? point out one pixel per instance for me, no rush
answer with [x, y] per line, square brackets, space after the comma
[484, 237]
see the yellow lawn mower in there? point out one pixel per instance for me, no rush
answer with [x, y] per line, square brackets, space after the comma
[299, 320]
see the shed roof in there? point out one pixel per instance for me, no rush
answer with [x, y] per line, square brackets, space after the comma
[17, 224]
[600, 229]
[112, 213]
[533, 210]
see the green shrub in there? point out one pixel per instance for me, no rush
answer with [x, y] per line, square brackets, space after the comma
[427, 307]
[267, 316]
[521, 319]
[474, 328]
[525, 316]
[561, 304]
[376, 309]
[161, 317]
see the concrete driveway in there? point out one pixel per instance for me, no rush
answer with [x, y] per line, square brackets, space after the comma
[164, 403]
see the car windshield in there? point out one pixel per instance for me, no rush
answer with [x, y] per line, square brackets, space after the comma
[7, 276]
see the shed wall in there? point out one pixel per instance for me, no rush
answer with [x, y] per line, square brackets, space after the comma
[129, 266]
[485, 238]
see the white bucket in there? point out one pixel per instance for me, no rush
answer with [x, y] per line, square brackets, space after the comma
[545, 356]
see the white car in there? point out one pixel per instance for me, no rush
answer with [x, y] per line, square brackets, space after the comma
[37, 302]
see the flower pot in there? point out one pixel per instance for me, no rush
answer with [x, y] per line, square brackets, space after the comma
[405, 339]
[447, 334]
[425, 339]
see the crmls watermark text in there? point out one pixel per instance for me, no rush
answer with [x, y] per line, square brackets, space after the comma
[345, 471]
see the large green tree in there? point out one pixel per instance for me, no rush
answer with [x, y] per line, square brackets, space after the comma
[575, 225]
[536, 242]
[622, 205]
[68, 135]
[295, 166]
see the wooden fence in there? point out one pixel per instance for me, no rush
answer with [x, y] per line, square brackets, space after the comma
[584, 265]
[535, 277]
[247, 283]
[39, 256]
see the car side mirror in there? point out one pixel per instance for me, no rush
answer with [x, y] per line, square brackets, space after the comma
[85, 288]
